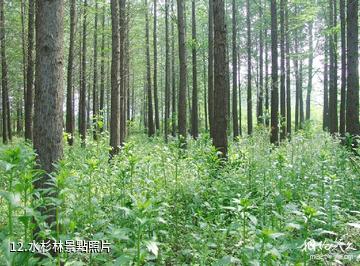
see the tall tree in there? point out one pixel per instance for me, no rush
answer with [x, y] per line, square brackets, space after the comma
[95, 100]
[333, 103]
[261, 67]
[48, 112]
[102, 70]
[352, 113]
[220, 86]
[23, 44]
[156, 99]
[234, 77]
[343, 69]
[4, 79]
[194, 111]
[288, 70]
[249, 93]
[211, 67]
[326, 86]
[173, 76]
[183, 70]
[123, 61]
[167, 72]
[70, 115]
[82, 102]
[310, 71]
[30, 74]
[282, 72]
[115, 85]
[150, 118]
[274, 76]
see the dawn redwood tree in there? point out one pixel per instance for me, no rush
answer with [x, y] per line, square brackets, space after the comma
[220, 86]
[234, 77]
[211, 67]
[183, 70]
[102, 71]
[173, 76]
[288, 70]
[122, 70]
[194, 111]
[310, 72]
[115, 85]
[167, 72]
[352, 113]
[261, 67]
[95, 101]
[249, 92]
[156, 98]
[326, 87]
[70, 115]
[150, 117]
[30, 74]
[343, 69]
[82, 101]
[274, 76]
[24, 55]
[282, 72]
[48, 112]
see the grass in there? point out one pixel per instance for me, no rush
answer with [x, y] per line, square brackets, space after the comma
[160, 205]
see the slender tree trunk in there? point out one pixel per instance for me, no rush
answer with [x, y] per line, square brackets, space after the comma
[234, 77]
[343, 69]
[310, 73]
[167, 71]
[30, 74]
[288, 73]
[240, 98]
[261, 69]
[150, 116]
[333, 112]
[70, 117]
[23, 42]
[352, 119]
[282, 72]
[211, 68]
[4, 77]
[122, 21]
[82, 110]
[115, 85]
[205, 94]
[267, 93]
[249, 89]
[220, 101]
[326, 87]
[183, 70]
[156, 99]
[48, 112]
[274, 76]
[301, 104]
[194, 113]
[173, 76]
[95, 78]
[102, 72]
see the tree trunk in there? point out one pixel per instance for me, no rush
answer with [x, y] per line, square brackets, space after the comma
[310, 73]
[261, 70]
[288, 73]
[48, 112]
[326, 87]
[249, 92]
[95, 78]
[194, 113]
[167, 72]
[156, 99]
[150, 120]
[115, 85]
[7, 135]
[211, 68]
[234, 77]
[122, 21]
[102, 72]
[173, 76]
[267, 93]
[352, 119]
[70, 117]
[82, 110]
[343, 69]
[274, 76]
[220, 86]
[23, 42]
[282, 72]
[183, 70]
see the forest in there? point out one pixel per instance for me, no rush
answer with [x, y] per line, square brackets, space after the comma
[179, 132]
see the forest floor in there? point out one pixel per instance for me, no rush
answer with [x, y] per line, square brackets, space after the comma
[298, 204]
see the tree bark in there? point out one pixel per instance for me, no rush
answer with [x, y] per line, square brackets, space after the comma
[167, 72]
[282, 72]
[352, 119]
[310, 72]
[95, 101]
[274, 76]
[183, 70]
[343, 69]
[48, 112]
[220, 86]
[211, 67]
[234, 77]
[102, 71]
[194, 113]
[156, 99]
[70, 116]
[82, 110]
[249, 92]
[288, 73]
